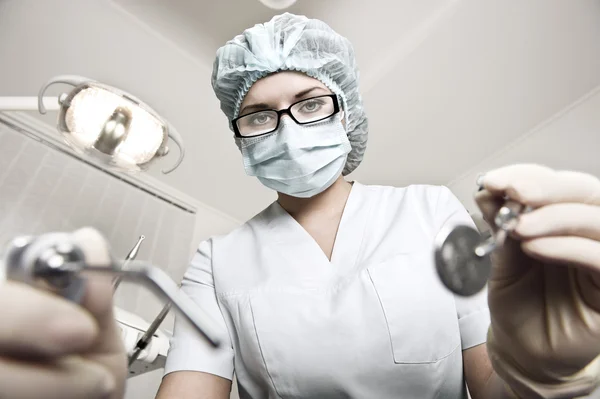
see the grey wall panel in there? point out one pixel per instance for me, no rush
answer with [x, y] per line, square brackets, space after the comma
[43, 189]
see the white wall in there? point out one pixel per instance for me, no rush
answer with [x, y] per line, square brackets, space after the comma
[568, 140]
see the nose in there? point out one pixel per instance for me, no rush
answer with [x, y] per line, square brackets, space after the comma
[285, 114]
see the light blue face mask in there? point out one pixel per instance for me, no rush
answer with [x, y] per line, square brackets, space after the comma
[298, 160]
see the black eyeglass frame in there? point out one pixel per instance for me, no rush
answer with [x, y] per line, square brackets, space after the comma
[336, 109]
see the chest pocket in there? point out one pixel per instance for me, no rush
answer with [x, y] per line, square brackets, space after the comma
[419, 312]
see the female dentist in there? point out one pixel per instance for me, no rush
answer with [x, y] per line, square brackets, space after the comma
[330, 292]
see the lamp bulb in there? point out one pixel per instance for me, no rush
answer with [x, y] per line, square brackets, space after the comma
[278, 4]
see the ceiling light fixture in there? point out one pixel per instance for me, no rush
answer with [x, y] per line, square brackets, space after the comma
[111, 125]
[278, 4]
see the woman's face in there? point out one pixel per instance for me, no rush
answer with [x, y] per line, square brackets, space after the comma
[280, 90]
[279, 163]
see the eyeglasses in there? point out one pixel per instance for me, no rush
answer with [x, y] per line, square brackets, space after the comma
[302, 112]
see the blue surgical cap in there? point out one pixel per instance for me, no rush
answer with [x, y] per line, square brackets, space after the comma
[293, 43]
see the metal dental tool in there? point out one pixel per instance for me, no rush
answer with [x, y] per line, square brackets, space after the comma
[147, 337]
[130, 256]
[463, 256]
[55, 262]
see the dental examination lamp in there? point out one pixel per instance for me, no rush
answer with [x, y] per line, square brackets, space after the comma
[105, 123]
[278, 4]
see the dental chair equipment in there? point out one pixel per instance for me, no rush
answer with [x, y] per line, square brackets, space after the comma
[57, 262]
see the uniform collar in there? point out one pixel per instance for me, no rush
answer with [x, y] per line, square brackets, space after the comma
[299, 248]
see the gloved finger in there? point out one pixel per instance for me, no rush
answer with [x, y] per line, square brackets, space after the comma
[567, 219]
[489, 204]
[572, 251]
[66, 378]
[536, 185]
[38, 323]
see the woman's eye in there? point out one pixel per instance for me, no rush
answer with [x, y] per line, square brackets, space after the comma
[312, 106]
[260, 119]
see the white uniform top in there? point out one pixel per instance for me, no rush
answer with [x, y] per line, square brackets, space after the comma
[374, 322]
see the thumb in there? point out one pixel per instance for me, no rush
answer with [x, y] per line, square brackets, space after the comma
[98, 297]
[108, 349]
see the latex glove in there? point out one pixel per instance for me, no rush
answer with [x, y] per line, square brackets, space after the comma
[52, 348]
[544, 291]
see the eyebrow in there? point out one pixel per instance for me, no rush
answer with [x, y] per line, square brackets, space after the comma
[262, 106]
[308, 91]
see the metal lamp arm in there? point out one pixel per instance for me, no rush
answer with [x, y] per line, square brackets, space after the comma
[73, 80]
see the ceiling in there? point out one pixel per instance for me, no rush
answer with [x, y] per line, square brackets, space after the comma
[447, 84]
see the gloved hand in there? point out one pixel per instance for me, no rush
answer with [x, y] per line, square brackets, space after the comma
[544, 291]
[52, 348]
